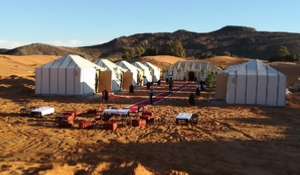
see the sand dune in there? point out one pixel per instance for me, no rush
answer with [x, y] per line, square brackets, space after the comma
[22, 65]
[226, 140]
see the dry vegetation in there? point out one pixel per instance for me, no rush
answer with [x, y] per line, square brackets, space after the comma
[226, 140]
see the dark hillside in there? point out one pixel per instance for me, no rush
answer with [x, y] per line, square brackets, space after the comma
[241, 41]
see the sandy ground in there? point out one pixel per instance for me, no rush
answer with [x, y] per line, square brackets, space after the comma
[226, 140]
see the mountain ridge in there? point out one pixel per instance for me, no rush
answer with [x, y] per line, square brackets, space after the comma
[238, 40]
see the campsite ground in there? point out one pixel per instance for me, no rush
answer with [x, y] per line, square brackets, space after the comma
[227, 139]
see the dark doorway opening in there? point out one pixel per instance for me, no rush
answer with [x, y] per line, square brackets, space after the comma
[191, 76]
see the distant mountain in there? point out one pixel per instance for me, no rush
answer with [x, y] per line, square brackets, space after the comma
[241, 41]
[3, 50]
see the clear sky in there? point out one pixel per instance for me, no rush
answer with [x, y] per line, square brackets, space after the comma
[89, 22]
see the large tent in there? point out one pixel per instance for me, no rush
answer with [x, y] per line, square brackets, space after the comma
[137, 73]
[190, 70]
[70, 75]
[113, 77]
[253, 82]
[154, 71]
[146, 71]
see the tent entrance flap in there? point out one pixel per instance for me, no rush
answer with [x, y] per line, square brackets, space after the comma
[191, 76]
[104, 81]
[127, 80]
[221, 87]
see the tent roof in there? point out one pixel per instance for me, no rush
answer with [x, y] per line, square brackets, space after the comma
[128, 65]
[151, 65]
[252, 67]
[71, 61]
[140, 65]
[109, 65]
[194, 66]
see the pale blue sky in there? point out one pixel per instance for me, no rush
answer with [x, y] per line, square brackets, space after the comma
[90, 22]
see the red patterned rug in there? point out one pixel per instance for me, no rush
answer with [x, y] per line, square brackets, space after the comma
[158, 98]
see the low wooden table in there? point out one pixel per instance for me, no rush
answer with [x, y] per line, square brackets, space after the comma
[183, 116]
[118, 114]
[42, 111]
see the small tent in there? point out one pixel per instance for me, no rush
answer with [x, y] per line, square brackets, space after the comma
[137, 73]
[70, 75]
[114, 75]
[253, 82]
[146, 71]
[154, 71]
[190, 70]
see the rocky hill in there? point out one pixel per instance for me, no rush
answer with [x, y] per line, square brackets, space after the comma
[241, 41]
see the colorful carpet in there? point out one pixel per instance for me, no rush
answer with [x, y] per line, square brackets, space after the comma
[158, 98]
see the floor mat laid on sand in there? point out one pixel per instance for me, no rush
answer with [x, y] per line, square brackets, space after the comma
[157, 98]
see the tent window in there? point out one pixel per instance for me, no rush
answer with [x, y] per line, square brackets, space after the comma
[170, 72]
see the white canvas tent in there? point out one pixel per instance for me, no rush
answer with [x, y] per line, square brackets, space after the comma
[190, 70]
[146, 71]
[154, 71]
[255, 82]
[117, 72]
[70, 75]
[131, 68]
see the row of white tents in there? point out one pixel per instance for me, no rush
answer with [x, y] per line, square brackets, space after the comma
[253, 82]
[73, 75]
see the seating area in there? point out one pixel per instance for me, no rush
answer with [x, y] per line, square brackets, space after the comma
[108, 119]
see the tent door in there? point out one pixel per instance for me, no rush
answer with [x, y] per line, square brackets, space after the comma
[127, 80]
[97, 78]
[221, 87]
[105, 81]
[191, 76]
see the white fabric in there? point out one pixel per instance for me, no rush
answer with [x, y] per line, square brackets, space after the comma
[255, 82]
[155, 70]
[145, 70]
[115, 69]
[130, 68]
[184, 116]
[44, 110]
[190, 66]
[116, 111]
[68, 75]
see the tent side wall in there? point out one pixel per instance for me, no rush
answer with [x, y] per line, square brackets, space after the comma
[133, 71]
[134, 77]
[261, 89]
[87, 81]
[251, 89]
[272, 94]
[62, 81]
[156, 75]
[70, 81]
[148, 76]
[115, 85]
[256, 83]
[241, 86]
[77, 83]
[38, 80]
[45, 81]
[231, 89]
[53, 80]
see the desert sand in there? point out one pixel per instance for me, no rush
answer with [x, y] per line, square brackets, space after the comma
[228, 139]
